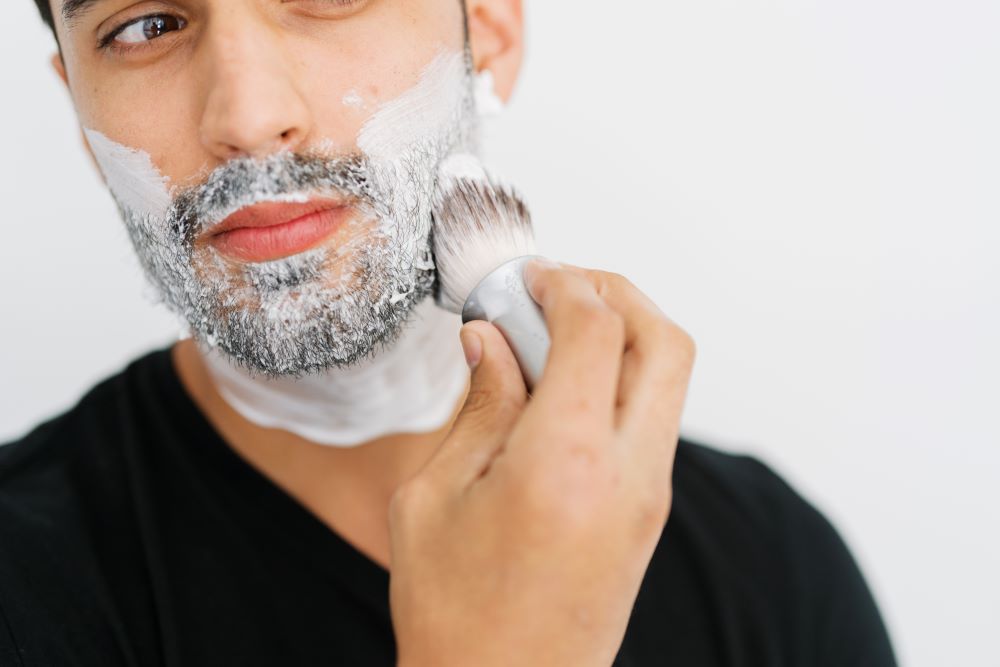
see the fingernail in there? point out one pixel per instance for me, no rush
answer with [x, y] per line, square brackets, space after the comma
[472, 346]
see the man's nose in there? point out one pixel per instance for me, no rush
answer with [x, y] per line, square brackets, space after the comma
[253, 106]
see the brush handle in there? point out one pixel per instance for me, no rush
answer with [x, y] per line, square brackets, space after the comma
[502, 298]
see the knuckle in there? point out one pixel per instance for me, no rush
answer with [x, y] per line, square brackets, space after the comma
[408, 499]
[652, 511]
[661, 330]
[673, 346]
[684, 345]
[398, 502]
[651, 518]
[616, 281]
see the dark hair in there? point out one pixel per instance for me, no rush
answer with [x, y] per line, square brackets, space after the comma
[46, 11]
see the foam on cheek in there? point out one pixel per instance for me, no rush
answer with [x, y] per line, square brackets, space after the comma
[131, 175]
[407, 137]
[421, 111]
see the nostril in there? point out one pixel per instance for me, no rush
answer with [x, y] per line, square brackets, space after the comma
[288, 139]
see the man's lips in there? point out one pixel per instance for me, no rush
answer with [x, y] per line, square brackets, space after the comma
[272, 230]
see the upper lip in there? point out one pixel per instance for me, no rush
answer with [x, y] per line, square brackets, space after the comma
[269, 214]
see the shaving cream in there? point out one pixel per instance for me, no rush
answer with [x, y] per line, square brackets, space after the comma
[130, 174]
[412, 383]
[411, 387]
[488, 103]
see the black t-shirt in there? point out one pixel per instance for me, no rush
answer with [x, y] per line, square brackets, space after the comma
[132, 534]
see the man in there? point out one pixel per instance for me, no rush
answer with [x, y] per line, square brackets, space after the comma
[313, 478]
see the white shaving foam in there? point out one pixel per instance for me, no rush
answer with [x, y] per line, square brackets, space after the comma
[131, 175]
[488, 103]
[411, 387]
[408, 119]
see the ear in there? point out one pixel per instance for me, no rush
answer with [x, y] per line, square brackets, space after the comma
[496, 33]
[60, 67]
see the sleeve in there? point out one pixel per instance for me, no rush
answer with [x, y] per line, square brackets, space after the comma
[835, 602]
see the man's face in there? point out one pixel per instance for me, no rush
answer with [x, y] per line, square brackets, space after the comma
[274, 160]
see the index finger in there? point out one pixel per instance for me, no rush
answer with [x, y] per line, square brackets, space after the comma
[581, 373]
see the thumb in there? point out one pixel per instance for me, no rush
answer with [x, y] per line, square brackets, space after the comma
[496, 399]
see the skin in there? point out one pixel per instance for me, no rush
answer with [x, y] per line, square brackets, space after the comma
[251, 78]
[520, 532]
[525, 538]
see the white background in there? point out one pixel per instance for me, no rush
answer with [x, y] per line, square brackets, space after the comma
[810, 188]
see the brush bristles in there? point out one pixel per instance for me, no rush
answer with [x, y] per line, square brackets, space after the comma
[479, 223]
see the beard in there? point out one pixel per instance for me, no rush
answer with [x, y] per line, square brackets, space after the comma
[325, 307]
[331, 306]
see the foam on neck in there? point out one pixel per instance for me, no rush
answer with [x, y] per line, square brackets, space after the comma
[411, 387]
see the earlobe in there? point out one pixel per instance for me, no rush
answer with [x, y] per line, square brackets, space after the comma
[59, 67]
[496, 33]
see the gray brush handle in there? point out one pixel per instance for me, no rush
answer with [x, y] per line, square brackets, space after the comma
[502, 298]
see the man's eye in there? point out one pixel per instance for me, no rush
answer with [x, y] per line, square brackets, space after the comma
[145, 29]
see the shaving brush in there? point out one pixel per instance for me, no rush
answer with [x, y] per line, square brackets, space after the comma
[482, 239]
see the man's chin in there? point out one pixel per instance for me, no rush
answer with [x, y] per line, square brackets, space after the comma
[305, 330]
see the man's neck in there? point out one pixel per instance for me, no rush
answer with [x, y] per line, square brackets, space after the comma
[348, 488]
[407, 386]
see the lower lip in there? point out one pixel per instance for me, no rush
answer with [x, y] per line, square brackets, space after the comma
[261, 244]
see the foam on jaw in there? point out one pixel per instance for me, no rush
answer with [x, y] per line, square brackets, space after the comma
[411, 387]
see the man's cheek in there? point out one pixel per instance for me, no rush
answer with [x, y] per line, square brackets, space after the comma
[131, 176]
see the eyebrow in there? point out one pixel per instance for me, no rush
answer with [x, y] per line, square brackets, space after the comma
[74, 9]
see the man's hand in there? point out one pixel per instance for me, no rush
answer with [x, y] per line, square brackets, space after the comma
[524, 539]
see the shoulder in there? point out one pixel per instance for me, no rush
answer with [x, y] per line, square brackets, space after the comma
[61, 487]
[742, 487]
[739, 507]
[69, 466]
[53, 446]
[762, 546]
[40, 472]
